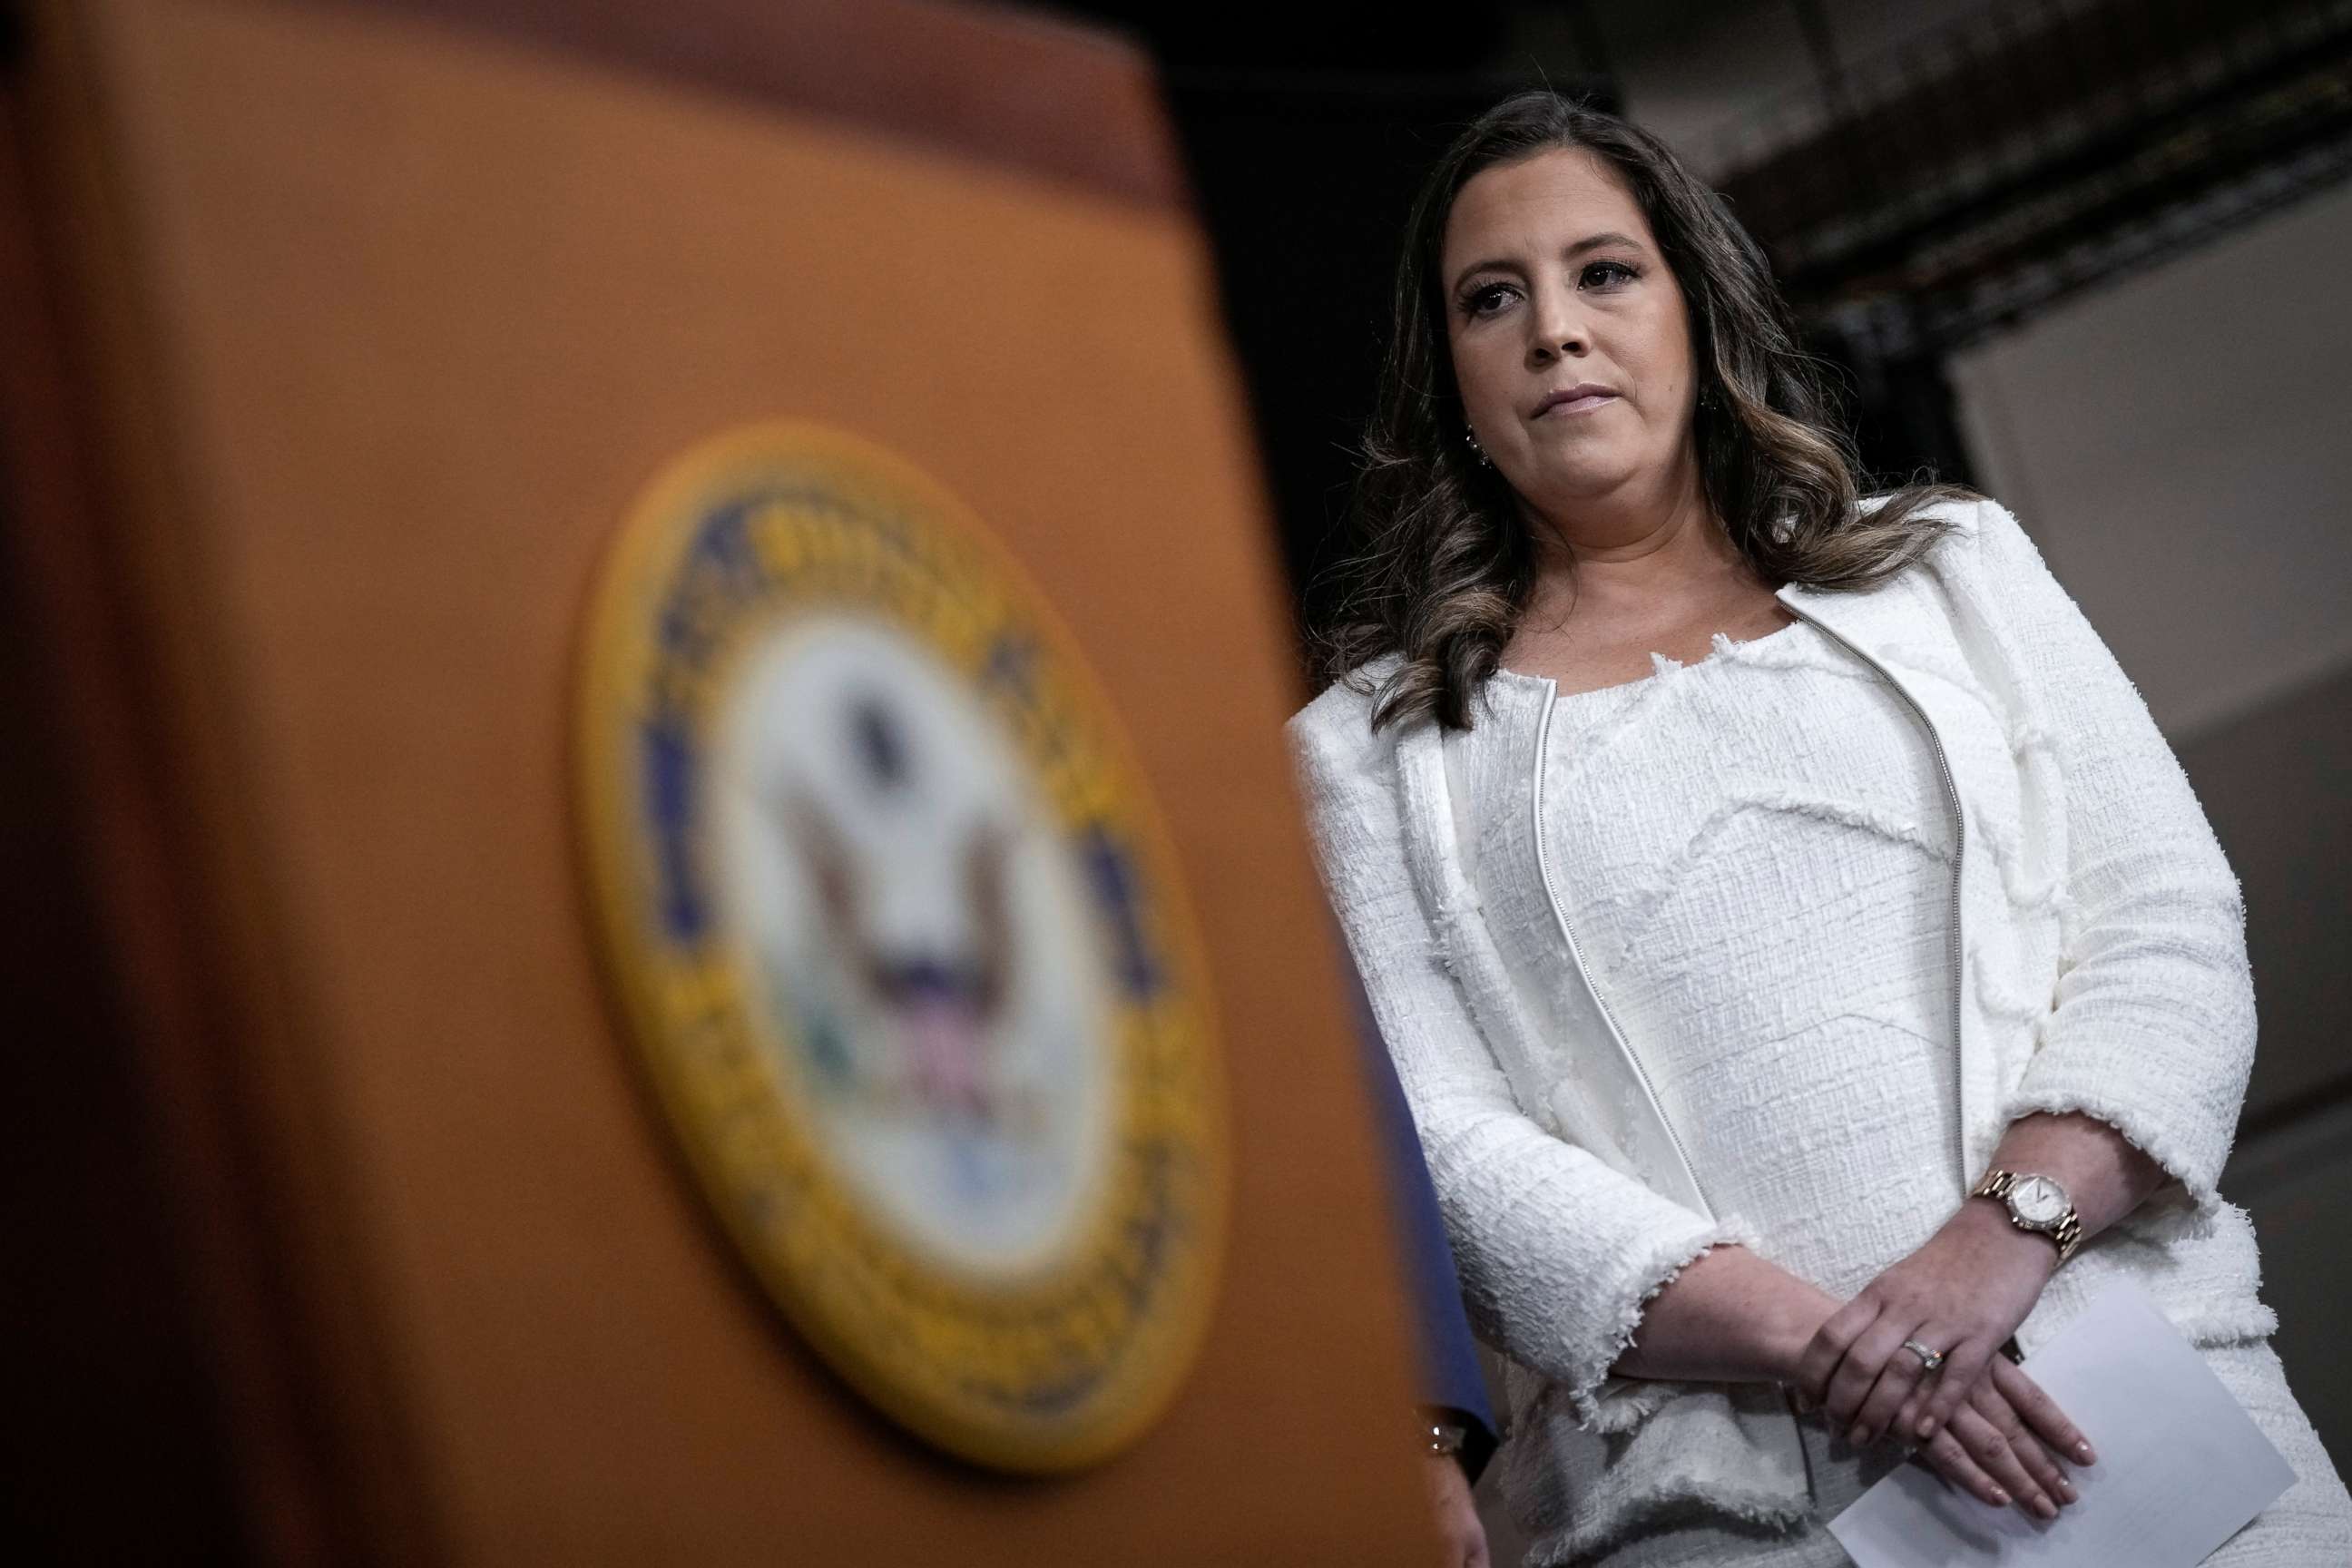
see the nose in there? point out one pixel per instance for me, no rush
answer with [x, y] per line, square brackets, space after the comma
[1556, 326]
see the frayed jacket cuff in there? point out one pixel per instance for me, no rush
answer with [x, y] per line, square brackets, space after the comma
[1604, 1402]
[2163, 1118]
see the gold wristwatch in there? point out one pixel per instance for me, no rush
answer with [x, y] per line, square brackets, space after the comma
[2036, 1202]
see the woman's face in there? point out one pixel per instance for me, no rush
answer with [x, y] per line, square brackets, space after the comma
[1569, 339]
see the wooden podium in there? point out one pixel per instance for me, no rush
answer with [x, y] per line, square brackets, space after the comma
[339, 339]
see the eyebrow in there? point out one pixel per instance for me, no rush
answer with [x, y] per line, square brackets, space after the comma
[1590, 242]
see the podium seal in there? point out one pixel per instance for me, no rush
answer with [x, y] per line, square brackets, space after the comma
[901, 946]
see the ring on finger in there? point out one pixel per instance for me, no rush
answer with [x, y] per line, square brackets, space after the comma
[1930, 1360]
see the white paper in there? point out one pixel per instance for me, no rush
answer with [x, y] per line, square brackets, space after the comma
[2181, 1465]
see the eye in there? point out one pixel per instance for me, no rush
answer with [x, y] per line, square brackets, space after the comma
[1485, 299]
[1607, 274]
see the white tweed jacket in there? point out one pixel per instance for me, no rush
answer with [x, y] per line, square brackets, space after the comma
[2102, 969]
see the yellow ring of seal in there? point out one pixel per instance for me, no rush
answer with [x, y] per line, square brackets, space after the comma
[1046, 1372]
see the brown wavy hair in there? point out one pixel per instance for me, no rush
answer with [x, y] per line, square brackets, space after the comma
[1443, 562]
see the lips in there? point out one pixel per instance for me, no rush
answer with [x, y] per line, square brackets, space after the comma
[1581, 398]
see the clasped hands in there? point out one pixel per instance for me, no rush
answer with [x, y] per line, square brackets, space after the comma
[1978, 1421]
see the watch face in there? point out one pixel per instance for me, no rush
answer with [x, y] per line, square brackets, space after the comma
[2038, 1200]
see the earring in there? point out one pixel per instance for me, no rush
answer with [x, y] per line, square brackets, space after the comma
[1472, 437]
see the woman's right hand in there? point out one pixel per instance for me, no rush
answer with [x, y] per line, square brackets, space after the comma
[2002, 1444]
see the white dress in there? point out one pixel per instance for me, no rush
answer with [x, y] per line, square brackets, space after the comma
[1694, 817]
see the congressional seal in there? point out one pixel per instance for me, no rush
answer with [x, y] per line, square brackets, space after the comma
[901, 946]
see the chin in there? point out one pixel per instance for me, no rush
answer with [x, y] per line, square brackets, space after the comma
[1566, 484]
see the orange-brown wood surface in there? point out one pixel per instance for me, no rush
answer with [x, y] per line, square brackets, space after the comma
[384, 321]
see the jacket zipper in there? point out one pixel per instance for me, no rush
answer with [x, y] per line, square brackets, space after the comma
[1959, 847]
[1576, 954]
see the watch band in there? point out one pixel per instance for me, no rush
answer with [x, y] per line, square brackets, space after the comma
[2067, 1230]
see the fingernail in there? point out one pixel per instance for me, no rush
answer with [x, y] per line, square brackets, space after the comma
[1857, 1435]
[2045, 1508]
[2001, 1497]
[2066, 1489]
[2083, 1452]
[1927, 1427]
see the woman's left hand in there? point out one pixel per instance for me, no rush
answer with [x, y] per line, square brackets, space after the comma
[1963, 1293]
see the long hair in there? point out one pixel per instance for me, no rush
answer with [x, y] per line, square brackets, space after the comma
[1444, 562]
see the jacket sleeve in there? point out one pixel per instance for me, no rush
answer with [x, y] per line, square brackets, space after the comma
[2152, 1027]
[1558, 1252]
[1451, 1379]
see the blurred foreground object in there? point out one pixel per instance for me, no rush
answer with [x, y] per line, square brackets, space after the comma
[592, 1065]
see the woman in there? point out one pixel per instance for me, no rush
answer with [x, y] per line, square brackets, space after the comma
[1744, 874]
